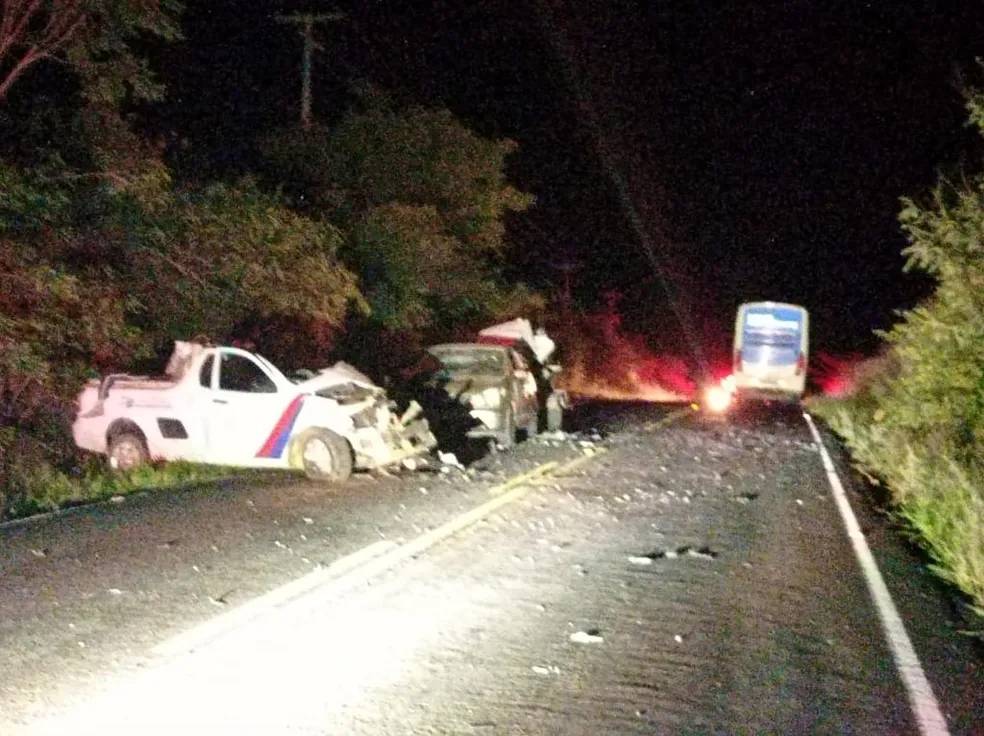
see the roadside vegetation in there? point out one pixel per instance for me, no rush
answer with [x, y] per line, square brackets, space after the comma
[383, 230]
[916, 419]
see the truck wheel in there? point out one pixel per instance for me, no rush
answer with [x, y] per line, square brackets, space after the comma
[326, 456]
[532, 427]
[507, 435]
[555, 415]
[127, 450]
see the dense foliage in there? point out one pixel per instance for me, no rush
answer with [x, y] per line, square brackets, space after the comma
[918, 425]
[92, 37]
[421, 201]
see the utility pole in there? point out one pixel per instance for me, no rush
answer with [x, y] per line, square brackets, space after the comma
[306, 22]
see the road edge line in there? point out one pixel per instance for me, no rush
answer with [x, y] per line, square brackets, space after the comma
[925, 707]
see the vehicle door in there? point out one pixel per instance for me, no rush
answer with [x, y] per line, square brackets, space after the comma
[249, 418]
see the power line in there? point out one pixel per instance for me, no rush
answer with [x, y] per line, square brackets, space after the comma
[588, 118]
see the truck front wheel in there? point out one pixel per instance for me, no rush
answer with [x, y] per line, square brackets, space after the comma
[127, 450]
[325, 456]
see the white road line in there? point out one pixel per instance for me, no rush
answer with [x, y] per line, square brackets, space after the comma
[217, 626]
[347, 571]
[924, 704]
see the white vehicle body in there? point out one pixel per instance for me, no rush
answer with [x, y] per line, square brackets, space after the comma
[495, 383]
[771, 350]
[540, 348]
[227, 406]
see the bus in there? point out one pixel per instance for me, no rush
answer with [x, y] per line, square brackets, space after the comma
[771, 351]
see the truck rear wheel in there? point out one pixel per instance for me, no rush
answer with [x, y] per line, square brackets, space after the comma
[507, 434]
[555, 414]
[127, 450]
[325, 456]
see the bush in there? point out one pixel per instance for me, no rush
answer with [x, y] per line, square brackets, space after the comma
[919, 424]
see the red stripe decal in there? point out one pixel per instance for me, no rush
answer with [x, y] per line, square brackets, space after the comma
[275, 442]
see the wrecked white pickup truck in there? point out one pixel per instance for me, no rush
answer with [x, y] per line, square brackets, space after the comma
[227, 406]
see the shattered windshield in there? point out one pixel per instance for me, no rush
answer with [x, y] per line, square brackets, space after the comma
[474, 362]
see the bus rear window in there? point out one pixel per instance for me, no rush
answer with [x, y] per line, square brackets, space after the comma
[771, 336]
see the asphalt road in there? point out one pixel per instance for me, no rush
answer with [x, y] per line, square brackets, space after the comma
[681, 577]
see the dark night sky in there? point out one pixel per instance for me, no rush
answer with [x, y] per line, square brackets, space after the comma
[764, 145]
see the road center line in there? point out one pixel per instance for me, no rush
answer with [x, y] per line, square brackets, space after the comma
[924, 704]
[252, 609]
[360, 566]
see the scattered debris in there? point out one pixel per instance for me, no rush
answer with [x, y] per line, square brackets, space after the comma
[449, 459]
[220, 600]
[591, 636]
[308, 520]
[551, 669]
[114, 591]
[678, 639]
[39, 552]
[705, 553]
[117, 499]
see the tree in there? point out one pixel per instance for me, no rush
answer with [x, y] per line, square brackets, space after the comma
[92, 36]
[210, 259]
[422, 201]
